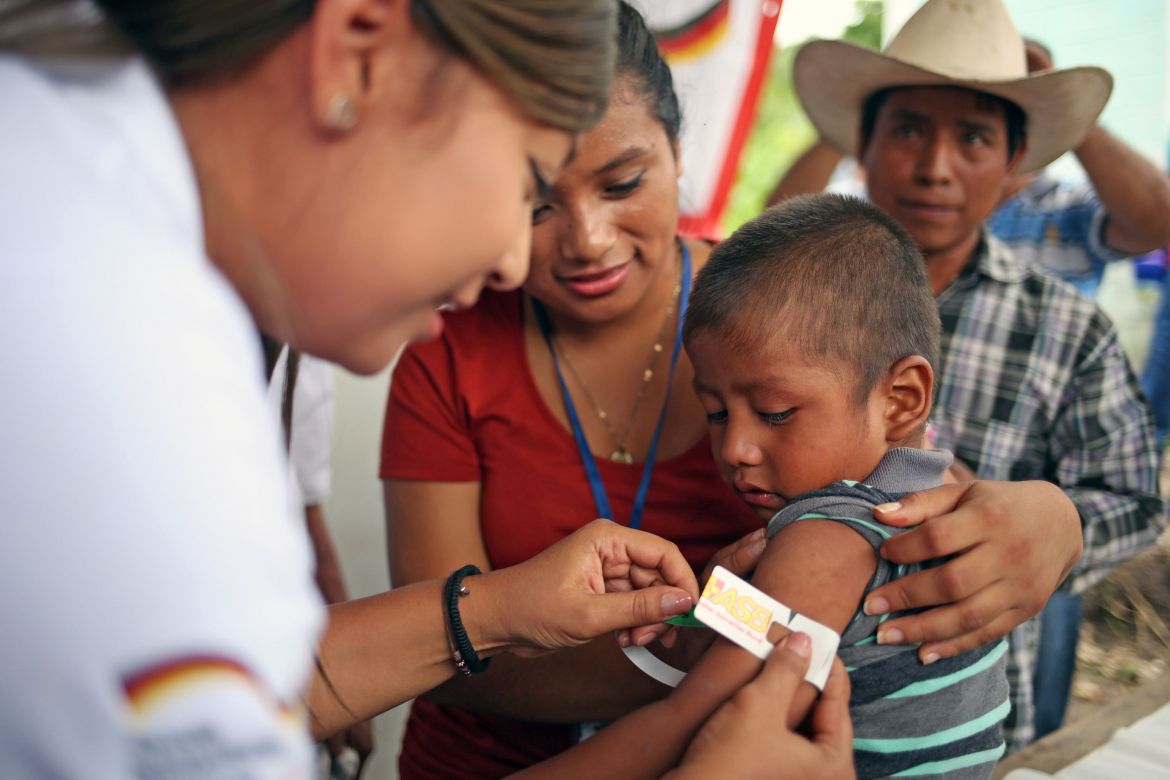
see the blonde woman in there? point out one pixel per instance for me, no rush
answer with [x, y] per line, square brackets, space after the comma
[178, 176]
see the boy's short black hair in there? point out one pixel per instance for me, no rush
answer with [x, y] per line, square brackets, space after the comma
[1015, 121]
[838, 277]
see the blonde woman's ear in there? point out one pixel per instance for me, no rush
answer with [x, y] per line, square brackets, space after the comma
[350, 43]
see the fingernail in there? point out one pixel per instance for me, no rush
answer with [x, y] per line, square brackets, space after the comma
[646, 639]
[930, 658]
[891, 636]
[756, 549]
[675, 603]
[893, 506]
[877, 605]
[623, 639]
[800, 644]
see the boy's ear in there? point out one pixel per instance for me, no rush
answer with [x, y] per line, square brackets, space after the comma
[909, 394]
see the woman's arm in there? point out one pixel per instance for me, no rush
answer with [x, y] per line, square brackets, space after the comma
[742, 740]
[1015, 542]
[382, 650]
[432, 529]
[818, 568]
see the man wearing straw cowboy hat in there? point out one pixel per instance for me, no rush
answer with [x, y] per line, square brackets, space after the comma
[1033, 383]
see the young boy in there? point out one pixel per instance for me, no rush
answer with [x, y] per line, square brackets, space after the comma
[814, 334]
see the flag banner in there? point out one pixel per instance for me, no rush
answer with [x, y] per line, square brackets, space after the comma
[718, 52]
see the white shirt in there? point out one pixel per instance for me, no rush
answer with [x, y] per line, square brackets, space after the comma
[159, 614]
[311, 444]
[312, 429]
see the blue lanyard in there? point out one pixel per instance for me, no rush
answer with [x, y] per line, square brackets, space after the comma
[600, 498]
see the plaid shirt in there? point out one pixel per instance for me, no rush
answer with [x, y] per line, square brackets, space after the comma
[1034, 385]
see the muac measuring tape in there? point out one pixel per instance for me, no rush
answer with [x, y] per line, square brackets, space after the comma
[746, 615]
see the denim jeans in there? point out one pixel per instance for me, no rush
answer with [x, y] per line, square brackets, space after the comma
[1156, 377]
[1060, 628]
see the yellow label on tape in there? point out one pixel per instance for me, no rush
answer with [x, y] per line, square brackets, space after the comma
[747, 616]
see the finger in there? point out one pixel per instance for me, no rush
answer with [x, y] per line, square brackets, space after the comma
[837, 687]
[950, 621]
[647, 551]
[360, 764]
[912, 509]
[622, 576]
[336, 744]
[646, 607]
[363, 742]
[361, 737]
[641, 577]
[784, 670]
[953, 620]
[957, 579]
[644, 635]
[831, 724]
[938, 537]
[618, 585]
[992, 632]
[740, 557]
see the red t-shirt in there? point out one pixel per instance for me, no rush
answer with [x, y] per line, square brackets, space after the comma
[465, 408]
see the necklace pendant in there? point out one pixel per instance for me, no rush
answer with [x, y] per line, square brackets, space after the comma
[621, 455]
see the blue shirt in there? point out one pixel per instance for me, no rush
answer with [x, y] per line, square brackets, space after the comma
[1058, 227]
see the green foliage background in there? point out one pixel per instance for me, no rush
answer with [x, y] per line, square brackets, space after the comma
[781, 130]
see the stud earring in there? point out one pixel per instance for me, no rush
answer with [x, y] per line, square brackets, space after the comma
[341, 114]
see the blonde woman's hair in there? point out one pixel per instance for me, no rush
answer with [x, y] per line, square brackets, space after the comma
[57, 29]
[554, 59]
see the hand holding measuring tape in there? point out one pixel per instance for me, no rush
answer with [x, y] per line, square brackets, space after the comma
[601, 578]
[744, 730]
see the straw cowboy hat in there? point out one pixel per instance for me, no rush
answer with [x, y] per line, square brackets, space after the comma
[958, 43]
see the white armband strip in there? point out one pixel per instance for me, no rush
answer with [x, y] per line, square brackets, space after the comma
[654, 666]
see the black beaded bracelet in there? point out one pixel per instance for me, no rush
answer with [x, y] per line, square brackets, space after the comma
[466, 659]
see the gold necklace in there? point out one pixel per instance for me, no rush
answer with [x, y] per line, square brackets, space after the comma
[620, 453]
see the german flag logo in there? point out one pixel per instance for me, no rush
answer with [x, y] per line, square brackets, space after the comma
[699, 33]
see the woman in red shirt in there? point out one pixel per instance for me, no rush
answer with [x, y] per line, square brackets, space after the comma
[478, 442]
[539, 410]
